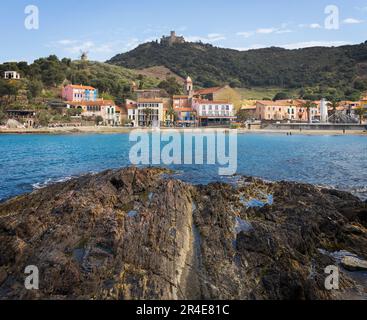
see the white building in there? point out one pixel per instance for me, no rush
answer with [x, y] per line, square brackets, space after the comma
[106, 109]
[11, 75]
[145, 112]
[132, 114]
[213, 112]
[324, 113]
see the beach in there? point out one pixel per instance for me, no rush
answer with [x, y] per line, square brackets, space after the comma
[111, 130]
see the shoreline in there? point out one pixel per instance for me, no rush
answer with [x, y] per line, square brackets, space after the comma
[120, 130]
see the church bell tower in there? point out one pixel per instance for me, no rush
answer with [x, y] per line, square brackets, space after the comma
[189, 87]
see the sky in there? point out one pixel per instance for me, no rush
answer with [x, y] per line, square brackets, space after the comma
[105, 28]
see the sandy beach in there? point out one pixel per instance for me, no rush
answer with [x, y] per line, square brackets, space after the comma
[117, 130]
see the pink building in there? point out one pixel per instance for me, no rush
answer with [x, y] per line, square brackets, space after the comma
[79, 93]
[282, 110]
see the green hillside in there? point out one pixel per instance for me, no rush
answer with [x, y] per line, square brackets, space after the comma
[337, 71]
[45, 77]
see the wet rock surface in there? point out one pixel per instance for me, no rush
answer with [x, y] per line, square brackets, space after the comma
[138, 234]
[354, 264]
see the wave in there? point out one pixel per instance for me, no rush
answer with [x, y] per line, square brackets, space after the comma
[48, 182]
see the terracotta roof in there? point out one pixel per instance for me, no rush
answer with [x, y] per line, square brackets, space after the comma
[91, 103]
[279, 103]
[248, 108]
[201, 101]
[344, 103]
[184, 109]
[75, 86]
[149, 90]
[180, 97]
[207, 91]
[150, 100]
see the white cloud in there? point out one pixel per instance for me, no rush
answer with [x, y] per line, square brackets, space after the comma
[266, 30]
[315, 26]
[283, 29]
[352, 21]
[66, 42]
[311, 26]
[252, 47]
[307, 44]
[75, 47]
[245, 34]
[210, 38]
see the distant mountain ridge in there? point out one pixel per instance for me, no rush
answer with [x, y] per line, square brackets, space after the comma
[343, 69]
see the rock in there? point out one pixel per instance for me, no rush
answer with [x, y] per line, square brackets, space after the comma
[354, 264]
[139, 234]
[3, 275]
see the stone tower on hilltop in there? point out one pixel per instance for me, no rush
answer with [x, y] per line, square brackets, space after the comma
[172, 39]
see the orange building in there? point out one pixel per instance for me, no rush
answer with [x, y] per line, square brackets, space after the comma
[281, 110]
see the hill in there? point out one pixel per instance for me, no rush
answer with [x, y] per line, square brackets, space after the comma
[337, 71]
[45, 77]
[160, 73]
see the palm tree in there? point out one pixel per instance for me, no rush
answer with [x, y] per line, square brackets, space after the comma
[308, 105]
[148, 116]
[171, 113]
[334, 104]
[360, 111]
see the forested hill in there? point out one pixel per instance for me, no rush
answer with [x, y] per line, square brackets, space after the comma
[45, 77]
[342, 68]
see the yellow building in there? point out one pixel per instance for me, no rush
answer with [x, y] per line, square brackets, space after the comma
[220, 93]
[364, 102]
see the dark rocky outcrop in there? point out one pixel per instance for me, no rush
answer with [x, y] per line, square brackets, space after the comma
[139, 234]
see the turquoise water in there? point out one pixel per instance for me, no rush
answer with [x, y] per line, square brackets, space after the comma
[29, 162]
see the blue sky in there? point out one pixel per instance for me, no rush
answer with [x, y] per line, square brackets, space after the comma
[107, 27]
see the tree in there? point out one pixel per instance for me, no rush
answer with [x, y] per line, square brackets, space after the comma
[360, 85]
[148, 116]
[10, 89]
[2, 116]
[34, 89]
[308, 105]
[99, 120]
[171, 113]
[243, 115]
[360, 112]
[171, 86]
[43, 118]
[334, 104]
[281, 96]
